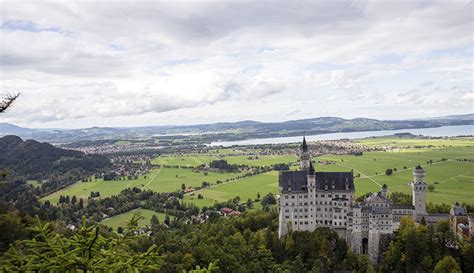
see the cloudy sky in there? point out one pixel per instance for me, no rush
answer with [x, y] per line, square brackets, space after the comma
[82, 64]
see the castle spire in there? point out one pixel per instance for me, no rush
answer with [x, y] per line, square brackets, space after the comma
[304, 155]
[304, 146]
[311, 168]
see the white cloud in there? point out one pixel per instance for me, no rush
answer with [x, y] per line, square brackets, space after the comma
[144, 63]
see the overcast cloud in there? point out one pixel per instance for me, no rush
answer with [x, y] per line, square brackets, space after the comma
[82, 64]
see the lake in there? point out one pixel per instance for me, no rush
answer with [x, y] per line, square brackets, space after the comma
[444, 131]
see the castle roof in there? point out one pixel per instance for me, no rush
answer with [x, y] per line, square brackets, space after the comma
[298, 181]
[458, 210]
[376, 197]
[376, 210]
[295, 181]
[403, 207]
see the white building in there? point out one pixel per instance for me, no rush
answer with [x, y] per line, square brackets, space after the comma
[310, 199]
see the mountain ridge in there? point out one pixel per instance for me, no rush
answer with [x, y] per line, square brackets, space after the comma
[237, 130]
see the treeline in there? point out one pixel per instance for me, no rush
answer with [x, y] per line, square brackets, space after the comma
[248, 243]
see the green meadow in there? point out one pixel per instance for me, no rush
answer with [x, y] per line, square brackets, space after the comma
[185, 160]
[453, 179]
[194, 160]
[261, 160]
[160, 180]
[407, 142]
[245, 188]
[121, 220]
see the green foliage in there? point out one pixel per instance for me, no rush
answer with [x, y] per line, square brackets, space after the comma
[268, 199]
[210, 268]
[223, 165]
[447, 265]
[87, 250]
[422, 248]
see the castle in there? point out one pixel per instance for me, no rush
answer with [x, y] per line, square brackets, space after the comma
[310, 199]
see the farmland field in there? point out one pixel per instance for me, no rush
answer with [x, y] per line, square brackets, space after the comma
[453, 179]
[122, 219]
[449, 166]
[160, 180]
[244, 188]
[404, 142]
[193, 160]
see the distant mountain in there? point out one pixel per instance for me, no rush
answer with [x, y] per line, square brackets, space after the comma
[235, 130]
[10, 129]
[34, 160]
[453, 117]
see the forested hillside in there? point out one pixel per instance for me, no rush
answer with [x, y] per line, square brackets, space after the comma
[33, 160]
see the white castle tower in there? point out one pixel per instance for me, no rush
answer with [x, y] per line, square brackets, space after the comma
[304, 156]
[419, 192]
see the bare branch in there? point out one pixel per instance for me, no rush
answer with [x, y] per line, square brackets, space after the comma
[7, 100]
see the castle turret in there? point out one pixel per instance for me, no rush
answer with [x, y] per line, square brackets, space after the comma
[311, 177]
[384, 191]
[419, 192]
[304, 155]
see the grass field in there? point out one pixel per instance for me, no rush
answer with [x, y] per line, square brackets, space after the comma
[245, 188]
[194, 160]
[160, 180]
[186, 160]
[454, 179]
[405, 142]
[122, 219]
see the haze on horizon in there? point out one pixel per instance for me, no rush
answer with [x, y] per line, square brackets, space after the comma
[85, 64]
